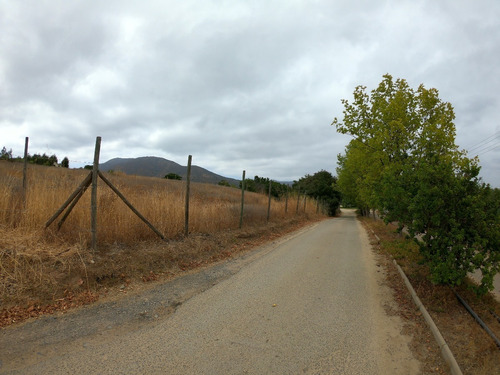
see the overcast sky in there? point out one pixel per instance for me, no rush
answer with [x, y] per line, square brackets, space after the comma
[239, 85]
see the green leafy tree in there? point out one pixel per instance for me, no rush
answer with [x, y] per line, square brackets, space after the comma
[249, 185]
[223, 183]
[5, 155]
[43, 159]
[173, 176]
[261, 185]
[65, 163]
[358, 176]
[278, 190]
[321, 186]
[52, 161]
[403, 161]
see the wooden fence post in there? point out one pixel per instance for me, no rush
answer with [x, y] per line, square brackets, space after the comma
[188, 183]
[269, 201]
[286, 200]
[298, 200]
[93, 200]
[242, 198]
[25, 178]
[92, 179]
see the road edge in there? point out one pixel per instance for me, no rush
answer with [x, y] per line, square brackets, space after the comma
[140, 308]
[445, 350]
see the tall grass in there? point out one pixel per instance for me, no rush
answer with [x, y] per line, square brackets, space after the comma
[212, 208]
[38, 264]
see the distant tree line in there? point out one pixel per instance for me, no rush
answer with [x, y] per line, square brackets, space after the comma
[173, 176]
[320, 186]
[6, 155]
[261, 185]
[43, 159]
[224, 183]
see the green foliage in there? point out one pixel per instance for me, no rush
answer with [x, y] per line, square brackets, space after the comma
[322, 187]
[358, 176]
[173, 176]
[65, 163]
[403, 161]
[402, 249]
[6, 155]
[223, 183]
[261, 185]
[43, 159]
[249, 185]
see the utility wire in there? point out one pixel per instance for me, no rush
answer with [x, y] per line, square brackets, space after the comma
[488, 144]
[491, 148]
[494, 135]
[493, 142]
[485, 142]
[486, 148]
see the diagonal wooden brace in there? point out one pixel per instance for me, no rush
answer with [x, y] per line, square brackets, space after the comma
[78, 191]
[130, 205]
[73, 204]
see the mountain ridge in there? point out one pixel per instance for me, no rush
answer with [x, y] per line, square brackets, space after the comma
[153, 166]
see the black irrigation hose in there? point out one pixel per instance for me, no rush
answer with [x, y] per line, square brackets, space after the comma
[478, 319]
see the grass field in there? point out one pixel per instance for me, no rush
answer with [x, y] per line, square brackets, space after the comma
[212, 208]
[39, 266]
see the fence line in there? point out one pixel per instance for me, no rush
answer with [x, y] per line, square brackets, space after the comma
[93, 197]
[25, 166]
[188, 186]
[242, 198]
[269, 201]
[92, 180]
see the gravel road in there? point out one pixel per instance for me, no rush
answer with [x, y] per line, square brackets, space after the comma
[310, 304]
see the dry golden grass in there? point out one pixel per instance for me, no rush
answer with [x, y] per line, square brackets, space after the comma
[212, 208]
[38, 263]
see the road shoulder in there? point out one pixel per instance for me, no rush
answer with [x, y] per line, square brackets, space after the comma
[47, 335]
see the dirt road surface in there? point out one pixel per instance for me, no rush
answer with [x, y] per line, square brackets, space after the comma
[313, 304]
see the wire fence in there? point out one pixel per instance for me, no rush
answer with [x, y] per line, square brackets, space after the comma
[55, 198]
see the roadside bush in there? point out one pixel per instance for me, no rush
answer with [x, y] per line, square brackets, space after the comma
[404, 162]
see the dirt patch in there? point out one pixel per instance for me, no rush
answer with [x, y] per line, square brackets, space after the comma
[61, 278]
[473, 348]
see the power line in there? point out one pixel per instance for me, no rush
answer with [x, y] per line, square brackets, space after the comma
[485, 141]
[486, 148]
[497, 133]
[491, 148]
[488, 144]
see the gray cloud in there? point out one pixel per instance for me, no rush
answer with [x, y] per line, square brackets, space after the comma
[238, 85]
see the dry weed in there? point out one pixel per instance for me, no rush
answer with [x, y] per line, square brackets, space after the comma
[51, 265]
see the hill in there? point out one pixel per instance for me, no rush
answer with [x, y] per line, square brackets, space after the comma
[152, 166]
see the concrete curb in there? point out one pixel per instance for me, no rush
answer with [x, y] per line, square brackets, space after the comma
[445, 350]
